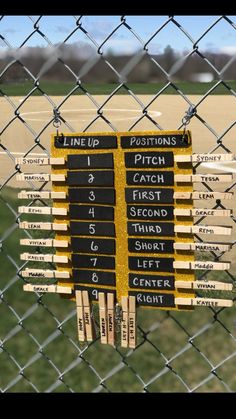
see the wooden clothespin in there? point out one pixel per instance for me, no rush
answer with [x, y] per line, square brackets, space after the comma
[42, 195]
[200, 158]
[58, 289]
[42, 210]
[43, 226]
[80, 316]
[44, 242]
[40, 161]
[204, 285]
[205, 265]
[124, 322]
[111, 318]
[203, 246]
[102, 317]
[202, 212]
[87, 314]
[203, 302]
[40, 177]
[39, 257]
[44, 273]
[132, 322]
[204, 178]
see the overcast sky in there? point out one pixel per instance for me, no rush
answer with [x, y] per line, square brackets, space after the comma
[222, 38]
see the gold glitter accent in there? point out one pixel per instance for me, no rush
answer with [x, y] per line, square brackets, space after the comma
[121, 257]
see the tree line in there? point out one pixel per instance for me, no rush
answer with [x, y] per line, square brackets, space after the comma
[57, 66]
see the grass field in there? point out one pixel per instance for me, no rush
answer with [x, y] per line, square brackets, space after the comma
[63, 88]
[161, 337]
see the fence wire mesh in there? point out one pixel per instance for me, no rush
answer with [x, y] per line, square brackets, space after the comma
[39, 350]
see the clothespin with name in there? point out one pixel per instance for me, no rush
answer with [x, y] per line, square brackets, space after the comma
[85, 324]
[102, 317]
[111, 318]
[124, 322]
[88, 320]
[128, 322]
[80, 316]
[132, 322]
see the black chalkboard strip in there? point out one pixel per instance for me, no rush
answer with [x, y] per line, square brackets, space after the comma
[92, 196]
[94, 245]
[150, 212]
[93, 261]
[91, 212]
[90, 161]
[137, 228]
[149, 195]
[155, 141]
[90, 178]
[153, 299]
[85, 142]
[149, 178]
[94, 277]
[150, 246]
[152, 282]
[154, 264]
[149, 159]
[95, 228]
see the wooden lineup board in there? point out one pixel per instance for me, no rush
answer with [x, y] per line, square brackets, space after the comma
[124, 220]
[124, 191]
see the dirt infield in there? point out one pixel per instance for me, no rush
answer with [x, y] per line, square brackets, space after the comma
[168, 111]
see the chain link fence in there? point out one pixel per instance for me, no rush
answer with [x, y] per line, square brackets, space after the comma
[176, 351]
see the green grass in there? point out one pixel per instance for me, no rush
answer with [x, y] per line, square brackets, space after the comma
[63, 88]
[166, 335]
